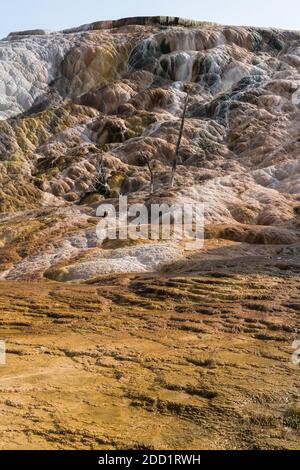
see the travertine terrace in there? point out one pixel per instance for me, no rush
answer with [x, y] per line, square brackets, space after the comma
[108, 341]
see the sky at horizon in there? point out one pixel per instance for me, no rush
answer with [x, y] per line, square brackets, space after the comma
[59, 14]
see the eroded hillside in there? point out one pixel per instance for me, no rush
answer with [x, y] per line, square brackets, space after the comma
[142, 344]
[112, 93]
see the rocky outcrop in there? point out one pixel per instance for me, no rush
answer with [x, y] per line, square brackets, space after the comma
[112, 92]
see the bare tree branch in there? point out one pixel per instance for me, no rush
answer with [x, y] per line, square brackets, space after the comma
[99, 184]
[148, 163]
[175, 161]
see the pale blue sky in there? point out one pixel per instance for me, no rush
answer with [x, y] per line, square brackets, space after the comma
[59, 14]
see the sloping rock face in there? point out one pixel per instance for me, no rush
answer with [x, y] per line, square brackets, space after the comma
[114, 92]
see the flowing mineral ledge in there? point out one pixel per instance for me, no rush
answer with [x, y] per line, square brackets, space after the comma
[99, 361]
[110, 92]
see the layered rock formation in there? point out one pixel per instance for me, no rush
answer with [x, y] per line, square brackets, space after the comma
[198, 345]
[113, 92]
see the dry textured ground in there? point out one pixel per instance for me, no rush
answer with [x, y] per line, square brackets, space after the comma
[198, 360]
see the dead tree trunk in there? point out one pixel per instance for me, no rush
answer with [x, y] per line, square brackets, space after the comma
[175, 161]
[99, 184]
[148, 163]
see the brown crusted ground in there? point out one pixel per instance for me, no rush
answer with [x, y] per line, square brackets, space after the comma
[152, 361]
